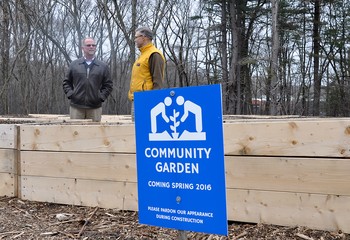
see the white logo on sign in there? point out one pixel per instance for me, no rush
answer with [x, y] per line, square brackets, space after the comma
[174, 121]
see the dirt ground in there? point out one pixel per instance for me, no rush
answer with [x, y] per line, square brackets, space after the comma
[25, 220]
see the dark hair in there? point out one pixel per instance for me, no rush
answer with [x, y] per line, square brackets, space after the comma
[145, 31]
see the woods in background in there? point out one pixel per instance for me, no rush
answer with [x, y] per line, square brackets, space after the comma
[273, 57]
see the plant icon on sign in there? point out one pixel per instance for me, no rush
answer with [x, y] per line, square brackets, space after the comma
[190, 110]
[175, 124]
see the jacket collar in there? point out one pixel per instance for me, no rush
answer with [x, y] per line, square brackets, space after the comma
[146, 47]
[82, 60]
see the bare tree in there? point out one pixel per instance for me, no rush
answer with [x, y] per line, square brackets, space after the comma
[316, 53]
[5, 54]
[257, 51]
[273, 103]
[178, 41]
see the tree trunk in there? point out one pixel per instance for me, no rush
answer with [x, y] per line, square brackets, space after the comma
[233, 84]
[224, 56]
[316, 50]
[5, 55]
[275, 102]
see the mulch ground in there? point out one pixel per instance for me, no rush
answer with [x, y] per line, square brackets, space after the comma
[21, 219]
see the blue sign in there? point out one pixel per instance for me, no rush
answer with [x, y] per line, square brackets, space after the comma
[180, 159]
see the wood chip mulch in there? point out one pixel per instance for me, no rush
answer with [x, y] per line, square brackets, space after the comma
[25, 220]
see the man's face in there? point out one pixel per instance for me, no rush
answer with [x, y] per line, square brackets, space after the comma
[139, 39]
[89, 48]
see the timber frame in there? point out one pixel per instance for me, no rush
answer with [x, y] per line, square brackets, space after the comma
[286, 171]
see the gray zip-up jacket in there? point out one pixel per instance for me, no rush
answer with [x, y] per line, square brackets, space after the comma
[87, 86]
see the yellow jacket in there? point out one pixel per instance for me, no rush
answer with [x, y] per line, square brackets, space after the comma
[141, 79]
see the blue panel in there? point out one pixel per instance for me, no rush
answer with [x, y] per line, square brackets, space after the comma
[180, 159]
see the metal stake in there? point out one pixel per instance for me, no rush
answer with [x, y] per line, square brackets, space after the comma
[182, 235]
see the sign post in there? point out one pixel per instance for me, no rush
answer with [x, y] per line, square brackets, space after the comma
[182, 235]
[180, 159]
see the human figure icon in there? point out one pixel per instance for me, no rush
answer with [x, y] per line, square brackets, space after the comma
[193, 108]
[159, 109]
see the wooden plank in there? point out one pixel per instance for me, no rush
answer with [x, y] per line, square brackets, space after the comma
[324, 138]
[325, 212]
[282, 118]
[8, 136]
[327, 138]
[316, 211]
[104, 118]
[8, 160]
[8, 185]
[98, 166]
[8, 172]
[105, 194]
[258, 117]
[80, 138]
[303, 175]
[325, 176]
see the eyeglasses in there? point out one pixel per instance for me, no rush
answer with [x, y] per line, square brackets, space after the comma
[136, 37]
[90, 45]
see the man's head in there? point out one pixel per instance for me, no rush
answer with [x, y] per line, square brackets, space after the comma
[88, 46]
[143, 36]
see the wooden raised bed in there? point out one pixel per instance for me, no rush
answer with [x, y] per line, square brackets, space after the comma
[278, 171]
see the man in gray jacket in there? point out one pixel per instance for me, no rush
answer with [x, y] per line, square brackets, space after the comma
[87, 84]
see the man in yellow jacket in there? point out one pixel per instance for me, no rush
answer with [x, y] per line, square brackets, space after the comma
[148, 70]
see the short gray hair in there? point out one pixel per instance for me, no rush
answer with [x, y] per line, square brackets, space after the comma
[145, 31]
[85, 38]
